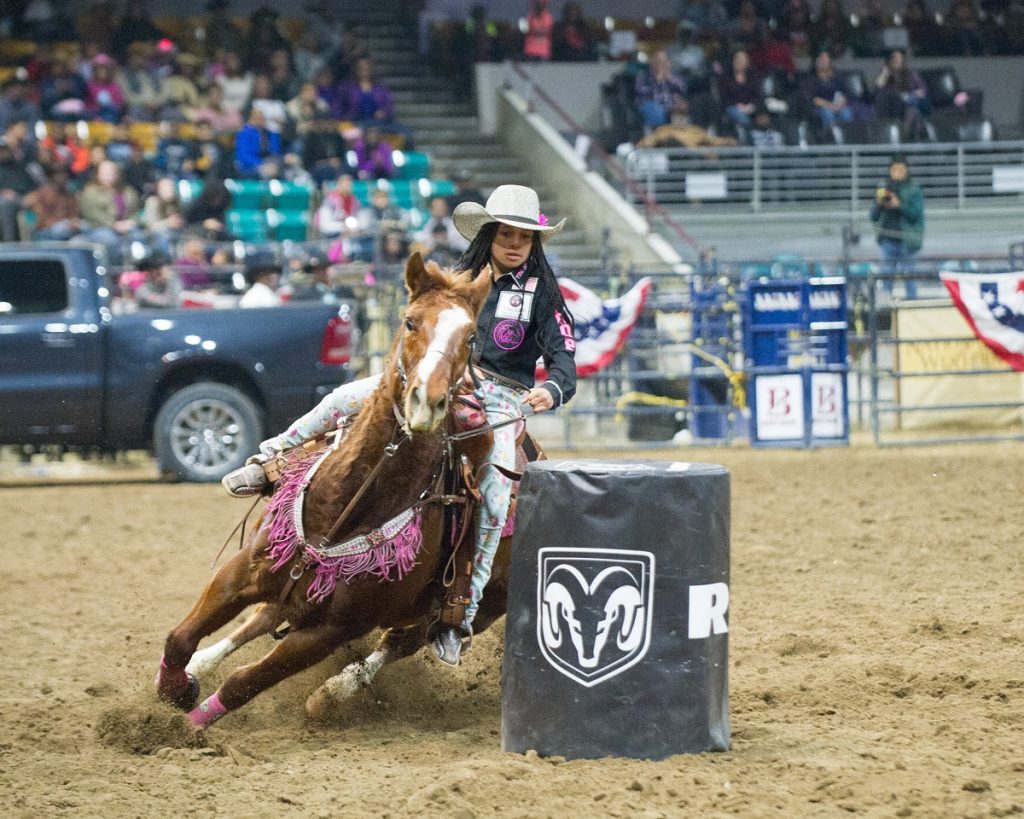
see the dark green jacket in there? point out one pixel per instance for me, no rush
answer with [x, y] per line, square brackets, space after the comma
[904, 224]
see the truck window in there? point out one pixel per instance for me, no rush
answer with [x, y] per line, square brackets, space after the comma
[32, 286]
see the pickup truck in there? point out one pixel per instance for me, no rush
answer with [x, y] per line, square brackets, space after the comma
[198, 388]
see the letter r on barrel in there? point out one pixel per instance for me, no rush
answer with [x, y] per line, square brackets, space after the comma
[708, 605]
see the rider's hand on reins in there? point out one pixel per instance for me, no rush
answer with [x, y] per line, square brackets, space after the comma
[538, 399]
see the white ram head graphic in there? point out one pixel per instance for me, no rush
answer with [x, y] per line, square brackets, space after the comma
[590, 613]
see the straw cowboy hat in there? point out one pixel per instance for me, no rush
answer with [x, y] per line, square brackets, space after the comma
[514, 205]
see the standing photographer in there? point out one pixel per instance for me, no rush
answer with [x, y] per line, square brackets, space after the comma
[898, 214]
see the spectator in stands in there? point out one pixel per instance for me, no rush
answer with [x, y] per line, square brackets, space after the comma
[23, 145]
[105, 97]
[145, 91]
[111, 208]
[303, 109]
[258, 153]
[873, 23]
[209, 153]
[175, 155]
[162, 214]
[63, 93]
[336, 216]
[658, 91]
[688, 58]
[236, 83]
[898, 215]
[310, 54]
[194, 270]
[60, 145]
[706, 16]
[367, 102]
[284, 83]
[465, 190]
[206, 216]
[161, 287]
[263, 274]
[831, 29]
[324, 150]
[380, 215]
[763, 131]
[440, 216]
[773, 55]
[55, 207]
[746, 30]
[135, 27]
[681, 132]
[740, 91]
[922, 29]
[182, 87]
[275, 114]
[222, 120]
[40, 21]
[15, 184]
[540, 25]
[830, 103]
[901, 94]
[439, 248]
[963, 30]
[16, 103]
[796, 24]
[221, 31]
[573, 41]
[312, 281]
[139, 172]
[264, 38]
[373, 158]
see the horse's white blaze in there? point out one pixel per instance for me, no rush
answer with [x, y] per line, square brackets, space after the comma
[207, 660]
[449, 322]
[355, 676]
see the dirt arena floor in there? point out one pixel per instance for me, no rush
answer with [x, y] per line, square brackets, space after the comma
[877, 663]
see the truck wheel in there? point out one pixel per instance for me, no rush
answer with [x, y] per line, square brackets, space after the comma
[205, 430]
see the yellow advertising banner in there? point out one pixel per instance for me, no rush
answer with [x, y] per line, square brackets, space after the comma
[936, 339]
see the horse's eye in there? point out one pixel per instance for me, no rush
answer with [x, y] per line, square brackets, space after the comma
[409, 325]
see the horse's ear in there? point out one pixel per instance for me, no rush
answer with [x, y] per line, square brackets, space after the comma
[478, 289]
[417, 280]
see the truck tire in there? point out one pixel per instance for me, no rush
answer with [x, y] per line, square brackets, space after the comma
[205, 430]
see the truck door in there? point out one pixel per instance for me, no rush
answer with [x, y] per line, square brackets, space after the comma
[51, 354]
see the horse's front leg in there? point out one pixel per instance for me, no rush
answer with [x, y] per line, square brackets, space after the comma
[206, 660]
[394, 644]
[302, 648]
[239, 583]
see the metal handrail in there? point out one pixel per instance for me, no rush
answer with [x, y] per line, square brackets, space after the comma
[650, 205]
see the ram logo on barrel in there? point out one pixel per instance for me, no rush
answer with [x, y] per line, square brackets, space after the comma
[594, 610]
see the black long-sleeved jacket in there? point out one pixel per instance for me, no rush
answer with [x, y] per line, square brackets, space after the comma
[521, 322]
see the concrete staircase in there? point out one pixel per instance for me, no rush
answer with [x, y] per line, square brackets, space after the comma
[448, 130]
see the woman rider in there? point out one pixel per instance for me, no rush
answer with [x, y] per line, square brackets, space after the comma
[525, 318]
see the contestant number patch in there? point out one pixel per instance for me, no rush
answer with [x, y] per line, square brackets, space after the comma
[514, 304]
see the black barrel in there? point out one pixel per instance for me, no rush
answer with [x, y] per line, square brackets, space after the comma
[617, 636]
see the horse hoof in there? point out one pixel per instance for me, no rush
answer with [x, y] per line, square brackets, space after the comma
[319, 705]
[188, 698]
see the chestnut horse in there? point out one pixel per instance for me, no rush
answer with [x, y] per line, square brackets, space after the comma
[387, 464]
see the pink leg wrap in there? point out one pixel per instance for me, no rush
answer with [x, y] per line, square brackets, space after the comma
[170, 681]
[207, 712]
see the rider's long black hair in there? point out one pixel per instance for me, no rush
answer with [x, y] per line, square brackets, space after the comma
[478, 254]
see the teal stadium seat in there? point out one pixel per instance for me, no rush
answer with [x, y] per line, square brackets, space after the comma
[247, 225]
[436, 187]
[411, 164]
[247, 194]
[289, 195]
[288, 225]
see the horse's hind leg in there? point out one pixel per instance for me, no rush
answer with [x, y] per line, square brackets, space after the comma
[395, 644]
[299, 650]
[206, 660]
[235, 586]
